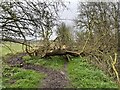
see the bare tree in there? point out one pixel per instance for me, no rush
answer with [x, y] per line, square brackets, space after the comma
[20, 20]
[100, 22]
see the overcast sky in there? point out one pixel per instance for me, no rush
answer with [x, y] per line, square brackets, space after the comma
[71, 13]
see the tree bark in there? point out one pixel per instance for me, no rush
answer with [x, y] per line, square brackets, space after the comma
[59, 52]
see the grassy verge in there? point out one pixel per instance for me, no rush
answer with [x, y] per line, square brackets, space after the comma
[14, 77]
[84, 75]
[55, 62]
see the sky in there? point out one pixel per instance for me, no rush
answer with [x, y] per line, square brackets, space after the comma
[70, 13]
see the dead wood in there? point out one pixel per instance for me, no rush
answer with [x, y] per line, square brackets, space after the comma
[59, 52]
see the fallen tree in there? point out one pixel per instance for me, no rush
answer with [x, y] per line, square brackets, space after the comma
[60, 52]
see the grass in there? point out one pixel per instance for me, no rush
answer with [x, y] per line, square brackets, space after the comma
[80, 73]
[14, 77]
[55, 62]
[13, 48]
[84, 75]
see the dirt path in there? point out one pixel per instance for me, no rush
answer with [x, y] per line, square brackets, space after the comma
[54, 79]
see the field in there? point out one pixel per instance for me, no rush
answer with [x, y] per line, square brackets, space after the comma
[9, 47]
[78, 72]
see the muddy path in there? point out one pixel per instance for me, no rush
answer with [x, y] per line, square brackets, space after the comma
[54, 79]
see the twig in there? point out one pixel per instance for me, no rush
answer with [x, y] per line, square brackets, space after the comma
[113, 66]
[85, 43]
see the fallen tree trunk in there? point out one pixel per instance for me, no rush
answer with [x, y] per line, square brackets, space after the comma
[72, 53]
[59, 52]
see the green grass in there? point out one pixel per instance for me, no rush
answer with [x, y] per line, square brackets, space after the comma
[55, 62]
[14, 77]
[80, 73]
[14, 48]
[84, 75]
